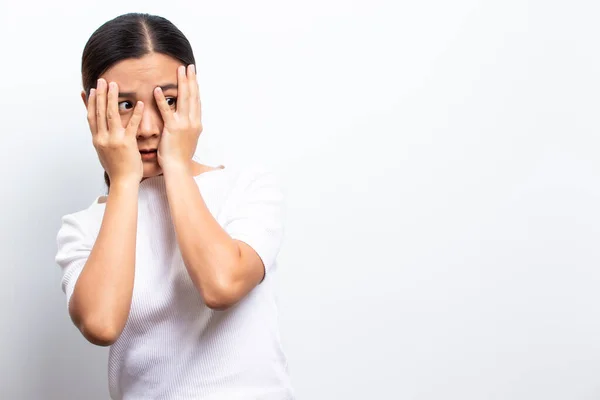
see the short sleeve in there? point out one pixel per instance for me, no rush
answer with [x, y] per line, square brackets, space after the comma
[256, 217]
[73, 252]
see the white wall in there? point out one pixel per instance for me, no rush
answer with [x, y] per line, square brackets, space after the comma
[441, 165]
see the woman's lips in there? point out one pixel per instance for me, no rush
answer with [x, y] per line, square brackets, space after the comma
[148, 155]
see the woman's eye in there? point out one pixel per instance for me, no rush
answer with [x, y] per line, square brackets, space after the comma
[171, 101]
[125, 106]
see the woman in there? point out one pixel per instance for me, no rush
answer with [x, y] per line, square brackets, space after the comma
[173, 268]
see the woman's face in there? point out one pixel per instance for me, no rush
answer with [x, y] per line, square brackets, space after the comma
[137, 79]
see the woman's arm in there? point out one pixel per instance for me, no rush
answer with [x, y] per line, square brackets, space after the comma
[223, 270]
[100, 303]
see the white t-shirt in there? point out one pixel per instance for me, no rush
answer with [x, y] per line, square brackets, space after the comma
[174, 346]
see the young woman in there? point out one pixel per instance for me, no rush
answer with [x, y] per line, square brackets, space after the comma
[173, 268]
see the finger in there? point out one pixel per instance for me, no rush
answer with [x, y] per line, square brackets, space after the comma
[134, 121]
[163, 107]
[101, 106]
[91, 111]
[112, 109]
[195, 110]
[183, 92]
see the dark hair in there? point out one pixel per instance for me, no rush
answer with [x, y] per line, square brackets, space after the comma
[131, 35]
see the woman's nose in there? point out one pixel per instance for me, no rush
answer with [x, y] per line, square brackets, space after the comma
[151, 123]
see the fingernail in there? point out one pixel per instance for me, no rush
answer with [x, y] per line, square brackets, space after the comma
[92, 91]
[99, 83]
[193, 68]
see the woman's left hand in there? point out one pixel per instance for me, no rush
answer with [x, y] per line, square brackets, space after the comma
[182, 127]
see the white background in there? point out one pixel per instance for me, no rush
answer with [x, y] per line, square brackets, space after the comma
[440, 160]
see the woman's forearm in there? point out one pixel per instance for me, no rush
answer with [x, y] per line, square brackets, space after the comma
[102, 296]
[211, 257]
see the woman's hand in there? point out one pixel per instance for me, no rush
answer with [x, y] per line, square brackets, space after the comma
[116, 146]
[182, 128]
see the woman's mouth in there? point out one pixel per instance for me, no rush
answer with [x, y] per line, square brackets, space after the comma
[148, 155]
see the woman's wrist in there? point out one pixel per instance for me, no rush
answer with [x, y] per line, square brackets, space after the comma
[124, 184]
[176, 168]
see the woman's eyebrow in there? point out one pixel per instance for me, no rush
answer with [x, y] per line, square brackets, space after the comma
[163, 87]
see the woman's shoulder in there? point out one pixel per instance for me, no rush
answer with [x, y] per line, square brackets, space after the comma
[241, 177]
[86, 220]
[89, 210]
[240, 187]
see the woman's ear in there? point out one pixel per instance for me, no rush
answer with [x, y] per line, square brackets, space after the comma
[84, 98]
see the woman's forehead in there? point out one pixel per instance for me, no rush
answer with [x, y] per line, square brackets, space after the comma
[151, 70]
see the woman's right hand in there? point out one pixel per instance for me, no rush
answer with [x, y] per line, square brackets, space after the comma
[116, 145]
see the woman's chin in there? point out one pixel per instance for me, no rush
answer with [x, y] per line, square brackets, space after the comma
[152, 170]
